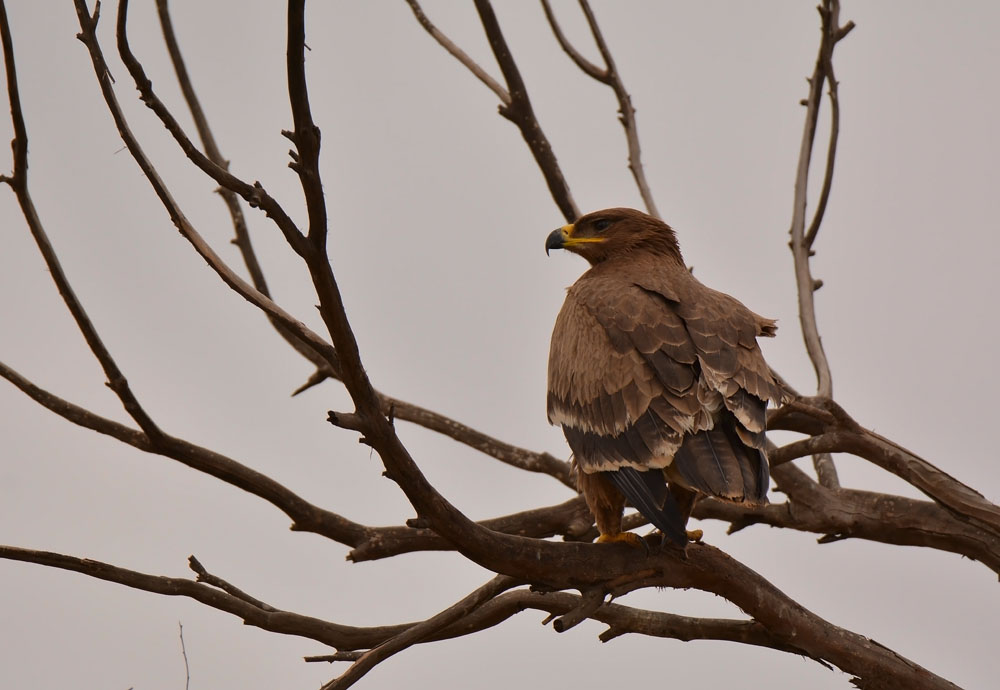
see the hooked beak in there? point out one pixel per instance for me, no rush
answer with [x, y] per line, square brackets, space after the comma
[557, 238]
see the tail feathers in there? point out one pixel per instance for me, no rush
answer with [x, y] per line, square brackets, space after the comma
[718, 463]
[648, 492]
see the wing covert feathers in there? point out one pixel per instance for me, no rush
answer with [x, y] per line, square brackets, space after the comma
[650, 369]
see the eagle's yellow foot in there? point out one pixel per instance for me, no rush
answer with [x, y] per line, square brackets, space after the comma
[695, 535]
[630, 538]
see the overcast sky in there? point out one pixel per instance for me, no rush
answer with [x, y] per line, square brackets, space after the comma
[438, 217]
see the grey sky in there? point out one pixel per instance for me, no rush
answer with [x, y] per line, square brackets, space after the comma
[438, 217]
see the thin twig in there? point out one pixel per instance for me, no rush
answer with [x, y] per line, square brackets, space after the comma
[612, 78]
[306, 516]
[512, 455]
[521, 113]
[801, 242]
[805, 283]
[590, 601]
[419, 632]
[254, 194]
[231, 199]
[216, 581]
[514, 102]
[458, 53]
[187, 669]
[89, 38]
[18, 181]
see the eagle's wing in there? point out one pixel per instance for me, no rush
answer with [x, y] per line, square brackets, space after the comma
[658, 370]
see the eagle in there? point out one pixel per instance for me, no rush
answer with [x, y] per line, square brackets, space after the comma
[657, 381]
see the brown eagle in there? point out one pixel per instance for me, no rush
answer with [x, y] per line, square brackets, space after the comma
[657, 381]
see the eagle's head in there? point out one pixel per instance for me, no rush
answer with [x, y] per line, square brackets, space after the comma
[615, 232]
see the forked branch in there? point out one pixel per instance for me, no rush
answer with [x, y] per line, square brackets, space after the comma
[610, 76]
[802, 241]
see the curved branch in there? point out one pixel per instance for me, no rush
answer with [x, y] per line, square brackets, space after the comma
[306, 517]
[18, 181]
[231, 199]
[88, 36]
[612, 78]
[838, 514]
[420, 632]
[254, 194]
[806, 285]
[801, 242]
[521, 113]
[571, 520]
[459, 54]
[585, 65]
[512, 455]
[269, 618]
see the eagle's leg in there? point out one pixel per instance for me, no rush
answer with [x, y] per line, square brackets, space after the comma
[607, 504]
[685, 504]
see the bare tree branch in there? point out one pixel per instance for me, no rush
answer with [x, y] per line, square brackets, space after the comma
[511, 546]
[187, 669]
[612, 78]
[254, 194]
[242, 240]
[306, 517]
[521, 113]
[458, 53]
[18, 181]
[791, 627]
[832, 33]
[505, 452]
[515, 104]
[234, 281]
[306, 135]
[419, 632]
[801, 243]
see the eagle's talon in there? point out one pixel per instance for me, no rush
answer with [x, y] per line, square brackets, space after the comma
[630, 538]
[695, 535]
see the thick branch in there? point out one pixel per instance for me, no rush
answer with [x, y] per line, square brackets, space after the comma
[571, 520]
[838, 514]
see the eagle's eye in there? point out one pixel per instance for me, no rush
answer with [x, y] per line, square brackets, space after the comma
[601, 224]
